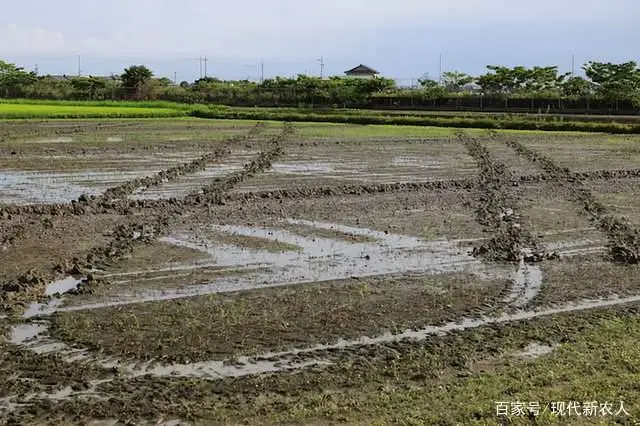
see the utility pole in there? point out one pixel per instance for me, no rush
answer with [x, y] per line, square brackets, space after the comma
[321, 60]
[79, 70]
[573, 65]
[261, 71]
[203, 60]
[440, 70]
[175, 78]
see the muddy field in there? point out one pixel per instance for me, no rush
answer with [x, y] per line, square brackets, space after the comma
[205, 272]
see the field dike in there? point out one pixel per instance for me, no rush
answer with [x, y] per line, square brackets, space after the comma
[624, 238]
[496, 211]
[32, 284]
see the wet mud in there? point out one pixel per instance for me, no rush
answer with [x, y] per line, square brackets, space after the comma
[498, 211]
[203, 305]
[624, 238]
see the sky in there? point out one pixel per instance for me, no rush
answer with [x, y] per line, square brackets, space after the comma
[402, 39]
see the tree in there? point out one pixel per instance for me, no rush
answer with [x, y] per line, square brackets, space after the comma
[431, 88]
[521, 80]
[136, 76]
[164, 81]
[544, 79]
[88, 87]
[13, 78]
[576, 87]
[499, 79]
[455, 81]
[614, 81]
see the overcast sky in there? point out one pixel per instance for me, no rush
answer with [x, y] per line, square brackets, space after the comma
[401, 38]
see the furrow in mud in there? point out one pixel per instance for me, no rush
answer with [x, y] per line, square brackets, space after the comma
[624, 238]
[30, 286]
[496, 211]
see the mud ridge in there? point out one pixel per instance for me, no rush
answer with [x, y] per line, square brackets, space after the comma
[624, 238]
[216, 192]
[174, 173]
[496, 211]
[400, 187]
[88, 205]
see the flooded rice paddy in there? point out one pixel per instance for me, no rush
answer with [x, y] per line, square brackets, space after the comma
[202, 305]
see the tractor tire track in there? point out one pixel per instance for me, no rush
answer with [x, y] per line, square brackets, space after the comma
[624, 238]
[174, 173]
[496, 211]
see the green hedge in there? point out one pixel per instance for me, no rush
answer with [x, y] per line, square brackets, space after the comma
[455, 122]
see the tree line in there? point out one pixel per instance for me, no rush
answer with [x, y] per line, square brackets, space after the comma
[603, 82]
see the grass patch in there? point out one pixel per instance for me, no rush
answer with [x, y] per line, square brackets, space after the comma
[252, 322]
[448, 380]
[309, 231]
[254, 243]
[583, 277]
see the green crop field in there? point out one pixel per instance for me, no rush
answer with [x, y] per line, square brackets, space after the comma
[20, 110]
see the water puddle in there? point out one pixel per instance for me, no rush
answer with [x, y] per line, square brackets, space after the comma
[63, 286]
[319, 259]
[25, 188]
[54, 140]
[419, 162]
[186, 184]
[536, 350]
[23, 333]
[526, 285]
[60, 187]
[303, 168]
